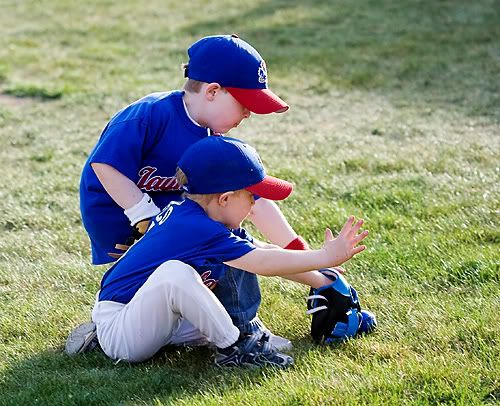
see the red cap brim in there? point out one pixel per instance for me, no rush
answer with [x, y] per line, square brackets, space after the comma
[259, 101]
[271, 188]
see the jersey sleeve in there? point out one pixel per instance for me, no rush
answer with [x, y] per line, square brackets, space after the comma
[226, 246]
[121, 146]
[132, 134]
[242, 233]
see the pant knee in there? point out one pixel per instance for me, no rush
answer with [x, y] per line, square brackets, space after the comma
[177, 273]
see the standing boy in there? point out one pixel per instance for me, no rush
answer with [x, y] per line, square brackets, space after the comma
[130, 174]
[159, 289]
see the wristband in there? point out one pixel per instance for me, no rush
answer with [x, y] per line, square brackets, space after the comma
[144, 209]
[298, 244]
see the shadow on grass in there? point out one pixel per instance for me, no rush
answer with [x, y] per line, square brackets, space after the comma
[34, 92]
[175, 373]
[441, 53]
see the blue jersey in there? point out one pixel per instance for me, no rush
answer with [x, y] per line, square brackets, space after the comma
[183, 232]
[143, 141]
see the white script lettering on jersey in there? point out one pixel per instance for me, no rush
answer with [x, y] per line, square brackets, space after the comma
[163, 215]
[149, 183]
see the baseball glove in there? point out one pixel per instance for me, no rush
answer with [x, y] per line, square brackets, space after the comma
[138, 230]
[336, 311]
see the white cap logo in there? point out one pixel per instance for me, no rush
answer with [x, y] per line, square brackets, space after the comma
[262, 73]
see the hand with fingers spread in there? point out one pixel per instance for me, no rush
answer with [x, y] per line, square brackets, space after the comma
[345, 246]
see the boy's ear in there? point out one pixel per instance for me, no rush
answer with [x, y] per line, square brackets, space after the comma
[211, 90]
[224, 197]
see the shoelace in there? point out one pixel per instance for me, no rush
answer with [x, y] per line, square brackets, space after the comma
[264, 342]
[256, 344]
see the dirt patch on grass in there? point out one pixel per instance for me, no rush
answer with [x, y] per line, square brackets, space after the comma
[8, 100]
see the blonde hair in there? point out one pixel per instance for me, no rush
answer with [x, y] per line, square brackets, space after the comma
[192, 86]
[182, 180]
[181, 177]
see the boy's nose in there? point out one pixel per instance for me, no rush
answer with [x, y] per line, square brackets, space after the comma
[246, 113]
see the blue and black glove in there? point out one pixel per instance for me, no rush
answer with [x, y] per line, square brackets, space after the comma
[336, 312]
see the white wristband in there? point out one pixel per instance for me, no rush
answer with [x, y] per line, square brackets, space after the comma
[144, 209]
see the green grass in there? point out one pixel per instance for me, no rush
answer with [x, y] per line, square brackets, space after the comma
[395, 117]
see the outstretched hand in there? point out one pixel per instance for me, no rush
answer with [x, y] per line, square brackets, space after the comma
[345, 246]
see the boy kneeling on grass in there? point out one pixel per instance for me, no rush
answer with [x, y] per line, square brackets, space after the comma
[159, 293]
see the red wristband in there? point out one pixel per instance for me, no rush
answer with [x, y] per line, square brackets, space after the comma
[298, 244]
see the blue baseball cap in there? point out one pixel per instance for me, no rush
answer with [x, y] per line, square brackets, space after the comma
[219, 164]
[236, 66]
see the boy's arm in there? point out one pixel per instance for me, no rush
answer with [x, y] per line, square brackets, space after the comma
[262, 244]
[313, 279]
[137, 205]
[122, 190]
[270, 221]
[280, 262]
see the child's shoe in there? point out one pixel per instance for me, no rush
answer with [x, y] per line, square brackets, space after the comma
[82, 339]
[279, 343]
[252, 351]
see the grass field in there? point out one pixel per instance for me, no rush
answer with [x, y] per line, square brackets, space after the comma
[395, 117]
